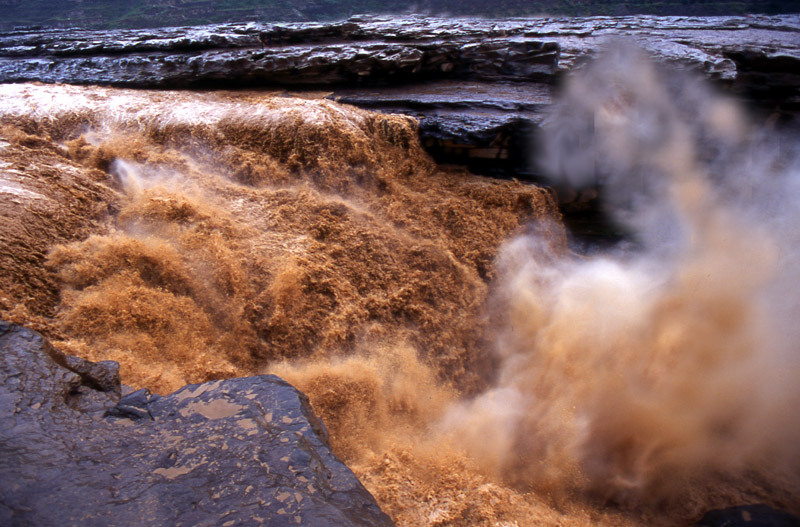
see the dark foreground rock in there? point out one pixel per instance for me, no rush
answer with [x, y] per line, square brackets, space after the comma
[236, 452]
[748, 516]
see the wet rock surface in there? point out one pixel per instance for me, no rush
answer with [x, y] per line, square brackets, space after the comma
[425, 66]
[255, 54]
[234, 452]
[480, 87]
[748, 516]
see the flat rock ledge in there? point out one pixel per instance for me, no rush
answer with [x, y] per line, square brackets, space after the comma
[237, 452]
[479, 87]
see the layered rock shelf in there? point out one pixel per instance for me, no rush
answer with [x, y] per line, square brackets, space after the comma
[478, 86]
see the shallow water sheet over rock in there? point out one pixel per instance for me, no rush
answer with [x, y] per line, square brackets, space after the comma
[245, 451]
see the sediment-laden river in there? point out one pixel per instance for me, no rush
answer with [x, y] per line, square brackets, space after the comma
[471, 368]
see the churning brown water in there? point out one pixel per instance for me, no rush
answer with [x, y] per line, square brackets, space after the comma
[470, 369]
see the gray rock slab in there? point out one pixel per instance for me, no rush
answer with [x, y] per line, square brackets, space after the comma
[235, 452]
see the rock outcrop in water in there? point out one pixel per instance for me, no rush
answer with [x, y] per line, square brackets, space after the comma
[748, 516]
[230, 452]
[479, 87]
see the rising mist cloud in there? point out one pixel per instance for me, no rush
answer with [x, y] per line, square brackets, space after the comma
[636, 374]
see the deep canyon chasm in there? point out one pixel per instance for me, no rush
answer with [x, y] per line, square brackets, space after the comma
[466, 364]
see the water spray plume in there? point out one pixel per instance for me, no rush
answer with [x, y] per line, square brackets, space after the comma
[640, 376]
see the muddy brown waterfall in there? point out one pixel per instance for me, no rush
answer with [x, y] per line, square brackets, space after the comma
[471, 370]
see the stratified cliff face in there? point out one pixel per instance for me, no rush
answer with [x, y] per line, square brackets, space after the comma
[479, 87]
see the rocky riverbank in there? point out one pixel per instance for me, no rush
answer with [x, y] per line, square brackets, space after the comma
[76, 450]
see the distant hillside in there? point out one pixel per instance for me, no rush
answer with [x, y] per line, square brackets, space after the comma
[151, 13]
